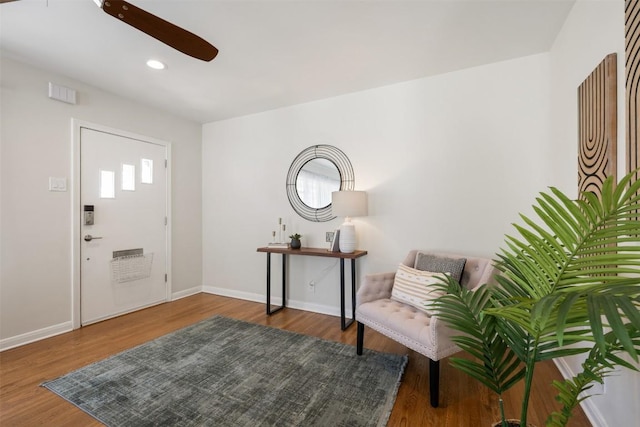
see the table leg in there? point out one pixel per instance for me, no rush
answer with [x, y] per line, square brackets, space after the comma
[343, 321]
[269, 310]
[284, 280]
[353, 290]
[268, 283]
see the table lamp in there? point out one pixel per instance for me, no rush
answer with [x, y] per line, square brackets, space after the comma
[348, 204]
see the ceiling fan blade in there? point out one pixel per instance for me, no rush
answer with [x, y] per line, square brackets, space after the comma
[168, 33]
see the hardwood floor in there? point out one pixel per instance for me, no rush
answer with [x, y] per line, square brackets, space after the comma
[463, 401]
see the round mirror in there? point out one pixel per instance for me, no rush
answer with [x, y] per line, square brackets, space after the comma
[314, 174]
[317, 179]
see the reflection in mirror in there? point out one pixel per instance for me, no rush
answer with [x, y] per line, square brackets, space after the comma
[317, 179]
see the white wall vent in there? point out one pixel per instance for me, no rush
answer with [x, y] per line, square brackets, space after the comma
[62, 93]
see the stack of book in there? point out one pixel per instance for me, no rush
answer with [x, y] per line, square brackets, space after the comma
[279, 245]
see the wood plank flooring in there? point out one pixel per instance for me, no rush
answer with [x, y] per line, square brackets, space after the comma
[463, 401]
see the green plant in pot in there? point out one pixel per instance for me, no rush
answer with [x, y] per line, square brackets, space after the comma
[295, 241]
[569, 284]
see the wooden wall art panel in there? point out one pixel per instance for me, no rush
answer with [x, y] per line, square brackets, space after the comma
[597, 132]
[632, 67]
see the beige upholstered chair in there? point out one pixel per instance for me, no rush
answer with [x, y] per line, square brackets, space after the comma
[409, 325]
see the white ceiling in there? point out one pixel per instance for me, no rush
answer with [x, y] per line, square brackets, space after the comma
[274, 53]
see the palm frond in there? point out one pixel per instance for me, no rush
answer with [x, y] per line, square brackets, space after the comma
[569, 283]
[583, 264]
[597, 366]
[495, 364]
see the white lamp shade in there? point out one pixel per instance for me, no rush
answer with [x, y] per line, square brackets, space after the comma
[349, 203]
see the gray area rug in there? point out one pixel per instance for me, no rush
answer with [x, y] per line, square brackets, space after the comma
[225, 372]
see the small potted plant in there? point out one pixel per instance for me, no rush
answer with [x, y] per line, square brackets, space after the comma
[295, 241]
[572, 278]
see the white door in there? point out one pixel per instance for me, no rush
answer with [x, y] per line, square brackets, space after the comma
[123, 253]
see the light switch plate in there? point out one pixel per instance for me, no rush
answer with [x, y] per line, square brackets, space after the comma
[57, 184]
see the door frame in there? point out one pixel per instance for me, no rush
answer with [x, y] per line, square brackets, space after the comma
[76, 216]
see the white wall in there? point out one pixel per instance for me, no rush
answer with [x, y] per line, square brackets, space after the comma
[35, 261]
[447, 162]
[593, 30]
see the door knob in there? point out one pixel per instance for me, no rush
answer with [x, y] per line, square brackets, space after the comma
[89, 238]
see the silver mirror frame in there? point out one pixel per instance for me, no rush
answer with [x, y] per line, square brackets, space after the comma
[347, 179]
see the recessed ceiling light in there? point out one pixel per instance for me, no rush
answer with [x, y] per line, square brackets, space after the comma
[155, 64]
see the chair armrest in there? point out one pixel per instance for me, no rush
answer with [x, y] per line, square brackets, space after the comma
[441, 334]
[374, 287]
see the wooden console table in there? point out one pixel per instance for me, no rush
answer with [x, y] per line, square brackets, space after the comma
[321, 253]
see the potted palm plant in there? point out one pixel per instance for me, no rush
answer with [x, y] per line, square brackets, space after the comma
[569, 284]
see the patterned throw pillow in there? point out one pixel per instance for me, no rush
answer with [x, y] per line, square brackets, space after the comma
[440, 264]
[415, 287]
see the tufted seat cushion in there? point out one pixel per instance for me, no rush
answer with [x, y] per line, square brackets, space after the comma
[408, 325]
[402, 322]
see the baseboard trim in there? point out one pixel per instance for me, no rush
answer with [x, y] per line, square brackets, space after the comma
[33, 336]
[51, 331]
[588, 406]
[295, 304]
[247, 296]
[186, 293]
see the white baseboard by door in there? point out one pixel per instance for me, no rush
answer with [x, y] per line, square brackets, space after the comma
[186, 293]
[50, 331]
[248, 296]
[33, 336]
